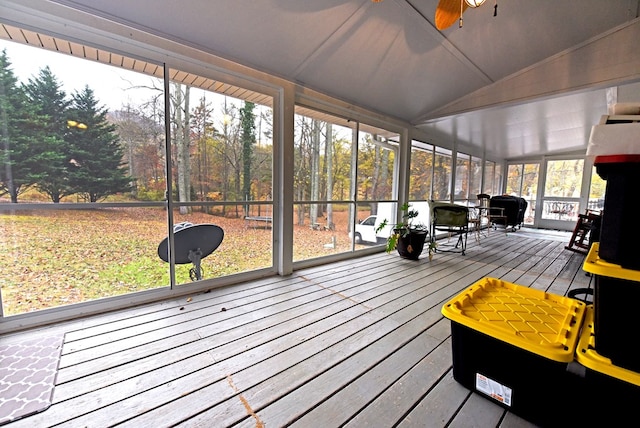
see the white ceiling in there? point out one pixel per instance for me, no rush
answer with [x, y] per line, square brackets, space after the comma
[389, 57]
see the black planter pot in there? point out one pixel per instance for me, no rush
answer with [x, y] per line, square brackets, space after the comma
[411, 246]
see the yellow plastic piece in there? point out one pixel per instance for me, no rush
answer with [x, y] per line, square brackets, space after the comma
[543, 323]
[594, 264]
[588, 357]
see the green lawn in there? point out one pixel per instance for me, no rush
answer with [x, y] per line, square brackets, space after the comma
[58, 257]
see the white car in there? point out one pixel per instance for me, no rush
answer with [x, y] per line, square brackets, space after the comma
[365, 232]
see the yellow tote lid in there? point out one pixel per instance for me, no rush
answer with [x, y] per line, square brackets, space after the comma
[543, 323]
[588, 357]
[594, 264]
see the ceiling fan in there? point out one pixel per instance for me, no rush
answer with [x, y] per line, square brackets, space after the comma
[450, 11]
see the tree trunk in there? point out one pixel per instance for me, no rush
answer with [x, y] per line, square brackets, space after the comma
[182, 150]
[376, 171]
[315, 171]
[225, 165]
[186, 146]
[328, 153]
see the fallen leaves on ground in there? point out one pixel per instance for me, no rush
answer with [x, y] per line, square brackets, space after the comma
[58, 257]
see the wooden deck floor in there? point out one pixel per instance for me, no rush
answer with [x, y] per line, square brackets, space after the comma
[360, 343]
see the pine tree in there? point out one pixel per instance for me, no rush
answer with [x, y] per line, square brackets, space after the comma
[97, 169]
[45, 94]
[21, 131]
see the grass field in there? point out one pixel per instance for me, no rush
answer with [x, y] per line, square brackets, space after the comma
[58, 257]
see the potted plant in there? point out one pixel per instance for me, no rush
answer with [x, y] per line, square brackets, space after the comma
[406, 236]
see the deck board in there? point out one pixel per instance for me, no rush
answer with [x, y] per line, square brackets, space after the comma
[437, 406]
[476, 412]
[355, 343]
[399, 398]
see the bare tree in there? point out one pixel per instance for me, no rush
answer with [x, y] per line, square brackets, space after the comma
[315, 171]
[181, 138]
[328, 153]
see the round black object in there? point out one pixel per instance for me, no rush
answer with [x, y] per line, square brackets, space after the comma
[204, 238]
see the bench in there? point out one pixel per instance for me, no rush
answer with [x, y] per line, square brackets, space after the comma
[256, 219]
[319, 226]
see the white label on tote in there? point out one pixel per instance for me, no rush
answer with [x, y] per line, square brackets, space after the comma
[493, 389]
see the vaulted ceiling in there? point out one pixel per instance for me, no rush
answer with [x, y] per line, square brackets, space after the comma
[530, 81]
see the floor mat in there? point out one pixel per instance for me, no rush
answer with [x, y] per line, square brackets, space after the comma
[28, 372]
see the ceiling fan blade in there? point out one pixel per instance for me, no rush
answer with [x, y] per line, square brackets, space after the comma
[448, 12]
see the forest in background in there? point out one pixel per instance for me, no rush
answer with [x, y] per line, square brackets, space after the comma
[60, 145]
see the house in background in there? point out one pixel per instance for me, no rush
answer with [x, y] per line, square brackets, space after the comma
[493, 100]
